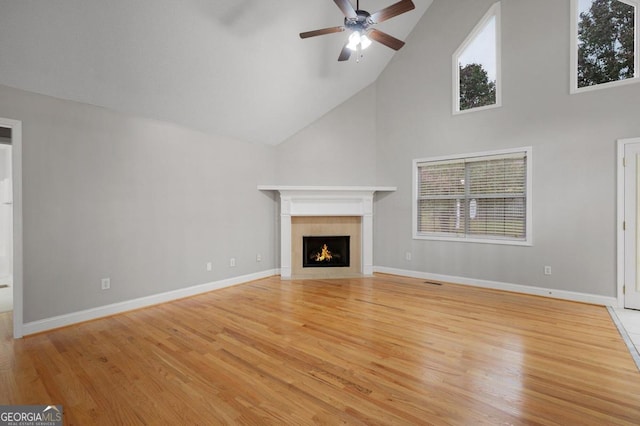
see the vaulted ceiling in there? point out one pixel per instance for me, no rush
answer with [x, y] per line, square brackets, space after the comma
[234, 68]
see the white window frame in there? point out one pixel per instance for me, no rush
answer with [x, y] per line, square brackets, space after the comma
[527, 241]
[494, 11]
[574, 52]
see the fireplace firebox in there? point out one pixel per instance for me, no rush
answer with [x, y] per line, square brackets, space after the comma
[325, 251]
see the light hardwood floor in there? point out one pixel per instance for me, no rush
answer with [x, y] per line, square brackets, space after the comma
[382, 350]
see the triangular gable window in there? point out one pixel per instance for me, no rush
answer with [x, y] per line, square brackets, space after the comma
[476, 66]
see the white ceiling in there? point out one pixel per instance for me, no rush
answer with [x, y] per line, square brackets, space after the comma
[233, 68]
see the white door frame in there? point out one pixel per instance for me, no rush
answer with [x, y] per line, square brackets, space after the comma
[620, 271]
[16, 166]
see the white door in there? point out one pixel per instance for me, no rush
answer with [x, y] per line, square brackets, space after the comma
[6, 229]
[632, 226]
[6, 213]
[16, 208]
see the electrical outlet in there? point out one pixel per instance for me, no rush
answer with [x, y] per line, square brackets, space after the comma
[547, 270]
[209, 266]
[408, 256]
[258, 257]
[232, 262]
[105, 283]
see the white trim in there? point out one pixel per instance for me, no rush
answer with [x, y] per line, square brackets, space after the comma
[573, 47]
[494, 11]
[622, 143]
[462, 239]
[16, 165]
[573, 52]
[142, 302]
[471, 155]
[338, 189]
[476, 109]
[619, 221]
[496, 285]
[528, 241]
[575, 90]
[633, 350]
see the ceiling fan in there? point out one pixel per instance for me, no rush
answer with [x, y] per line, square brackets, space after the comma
[360, 23]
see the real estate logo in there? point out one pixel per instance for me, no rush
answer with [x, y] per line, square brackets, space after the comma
[30, 415]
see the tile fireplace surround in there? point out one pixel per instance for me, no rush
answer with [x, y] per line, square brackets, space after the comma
[323, 201]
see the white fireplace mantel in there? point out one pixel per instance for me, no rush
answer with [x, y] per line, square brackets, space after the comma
[326, 201]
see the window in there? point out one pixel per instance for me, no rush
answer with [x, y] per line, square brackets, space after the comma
[604, 45]
[484, 197]
[476, 66]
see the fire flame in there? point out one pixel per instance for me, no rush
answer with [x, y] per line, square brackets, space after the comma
[324, 255]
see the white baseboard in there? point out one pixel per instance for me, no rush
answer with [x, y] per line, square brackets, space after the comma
[593, 299]
[142, 302]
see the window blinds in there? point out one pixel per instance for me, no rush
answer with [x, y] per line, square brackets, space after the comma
[473, 197]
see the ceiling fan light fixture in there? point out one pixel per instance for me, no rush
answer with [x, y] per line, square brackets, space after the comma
[365, 42]
[356, 40]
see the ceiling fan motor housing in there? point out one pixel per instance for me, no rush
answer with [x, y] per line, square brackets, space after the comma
[360, 23]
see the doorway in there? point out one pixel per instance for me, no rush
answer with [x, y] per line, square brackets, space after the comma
[629, 223]
[11, 208]
[6, 222]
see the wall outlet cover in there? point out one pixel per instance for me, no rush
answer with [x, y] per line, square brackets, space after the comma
[105, 283]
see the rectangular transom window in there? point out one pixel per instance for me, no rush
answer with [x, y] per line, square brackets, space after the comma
[604, 44]
[483, 197]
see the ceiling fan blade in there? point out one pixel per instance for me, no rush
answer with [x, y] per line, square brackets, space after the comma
[321, 32]
[345, 54]
[386, 39]
[394, 10]
[347, 8]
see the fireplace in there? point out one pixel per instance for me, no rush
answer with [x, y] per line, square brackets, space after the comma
[314, 210]
[325, 251]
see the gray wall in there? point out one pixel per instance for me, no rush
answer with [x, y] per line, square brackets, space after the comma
[338, 149]
[145, 203]
[148, 203]
[573, 139]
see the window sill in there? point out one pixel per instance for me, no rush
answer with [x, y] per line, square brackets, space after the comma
[476, 109]
[609, 85]
[499, 241]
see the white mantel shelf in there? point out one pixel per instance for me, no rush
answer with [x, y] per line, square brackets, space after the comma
[326, 201]
[312, 189]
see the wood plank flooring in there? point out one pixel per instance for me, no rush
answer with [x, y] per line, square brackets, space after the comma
[381, 350]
